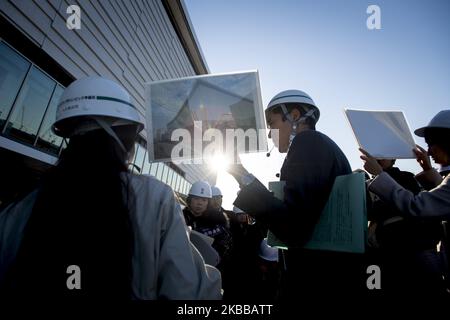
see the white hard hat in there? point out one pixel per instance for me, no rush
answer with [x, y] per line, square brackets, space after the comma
[201, 189]
[90, 98]
[441, 120]
[216, 191]
[267, 252]
[294, 96]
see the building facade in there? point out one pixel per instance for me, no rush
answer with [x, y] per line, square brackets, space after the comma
[131, 42]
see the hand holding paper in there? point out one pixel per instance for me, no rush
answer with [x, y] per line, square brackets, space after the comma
[236, 169]
[370, 163]
[422, 158]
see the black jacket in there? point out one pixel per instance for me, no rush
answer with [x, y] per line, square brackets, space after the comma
[215, 225]
[310, 168]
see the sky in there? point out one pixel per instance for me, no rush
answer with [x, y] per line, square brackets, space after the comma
[324, 47]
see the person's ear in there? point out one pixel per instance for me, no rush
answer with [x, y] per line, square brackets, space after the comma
[295, 114]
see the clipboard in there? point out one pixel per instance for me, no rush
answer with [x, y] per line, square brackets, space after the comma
[343, 223]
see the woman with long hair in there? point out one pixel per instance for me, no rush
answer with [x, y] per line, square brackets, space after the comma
[92, 229]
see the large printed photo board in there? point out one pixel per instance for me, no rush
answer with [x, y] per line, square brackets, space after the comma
[196, 112]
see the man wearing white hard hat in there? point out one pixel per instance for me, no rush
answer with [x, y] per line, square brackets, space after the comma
[434, 203]
[215, 205]
[216, 198]
[312, 163]
[427, 204]
[215, 191]
[120, 235]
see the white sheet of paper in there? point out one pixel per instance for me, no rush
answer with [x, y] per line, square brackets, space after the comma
[384, 134]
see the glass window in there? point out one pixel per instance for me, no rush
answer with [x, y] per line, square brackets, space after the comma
[180, 187]
[133, 159]
[168, 174]
[188, 187]
[153, 168]
[180, 180]
[146, 165]
[185, 187]
[30, 106]
[13, 69]
[139, 159]
[159, 171]
[164, 173]
[47, 140]
[172, 179]
[180, 184]
[176, 182]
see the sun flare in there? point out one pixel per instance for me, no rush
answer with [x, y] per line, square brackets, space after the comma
[218, 163]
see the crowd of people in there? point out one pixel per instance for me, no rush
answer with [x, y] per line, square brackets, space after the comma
[131, 239]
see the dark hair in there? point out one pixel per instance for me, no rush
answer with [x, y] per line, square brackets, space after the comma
[188, 200]
[310, 122]
[80, 217]
[190, 197]
[440, 137]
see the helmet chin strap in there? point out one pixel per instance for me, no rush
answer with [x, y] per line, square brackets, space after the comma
[105, 126]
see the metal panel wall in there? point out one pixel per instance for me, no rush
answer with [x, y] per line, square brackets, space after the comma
[131, 42]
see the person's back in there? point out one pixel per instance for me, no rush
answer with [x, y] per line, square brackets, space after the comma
[78, 218]
[92, 230]
[123, 251]
[164, 248]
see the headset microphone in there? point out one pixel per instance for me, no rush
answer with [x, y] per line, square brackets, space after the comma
[268, 153]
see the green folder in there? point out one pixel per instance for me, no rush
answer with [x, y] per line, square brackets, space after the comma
[343, 223]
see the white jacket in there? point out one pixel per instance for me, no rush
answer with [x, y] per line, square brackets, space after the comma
[165, 263]
[433, 203]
